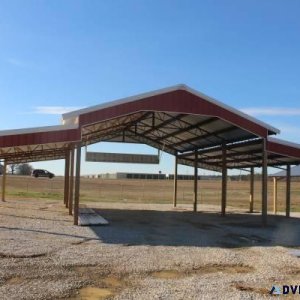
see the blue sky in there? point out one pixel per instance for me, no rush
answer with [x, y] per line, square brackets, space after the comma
[60, 55]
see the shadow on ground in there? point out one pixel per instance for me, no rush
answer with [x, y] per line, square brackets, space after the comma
[180, 228]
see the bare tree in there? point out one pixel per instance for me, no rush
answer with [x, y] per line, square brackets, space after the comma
[24, 169]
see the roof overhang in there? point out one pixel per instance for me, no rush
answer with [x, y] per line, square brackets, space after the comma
[37, 144]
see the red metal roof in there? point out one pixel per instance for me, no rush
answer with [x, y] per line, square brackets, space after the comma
[36, 144]
[177, 99]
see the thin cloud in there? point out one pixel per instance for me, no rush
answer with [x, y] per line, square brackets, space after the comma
[17, 63]
[284, 128]
[271, 111]
[54, 110]
[22, 64]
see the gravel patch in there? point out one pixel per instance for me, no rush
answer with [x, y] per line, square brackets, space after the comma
[147, 252]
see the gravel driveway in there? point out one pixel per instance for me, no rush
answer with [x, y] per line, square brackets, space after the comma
[147, 252]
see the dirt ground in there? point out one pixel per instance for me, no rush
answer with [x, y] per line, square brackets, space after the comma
[149, 251]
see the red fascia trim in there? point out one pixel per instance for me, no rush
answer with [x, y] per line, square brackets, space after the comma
[179, 101]
[283, 150]
[37, 138]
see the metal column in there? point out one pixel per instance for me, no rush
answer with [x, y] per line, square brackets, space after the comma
[288, 191]
[264, 205]
[251, 189]
[275, 195]
[175, 182]
[4, 181]
[195, 181]
[71, 185]
[224, 180]
[67, 172]
[77, 184]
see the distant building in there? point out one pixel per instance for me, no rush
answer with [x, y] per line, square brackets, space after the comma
[122, 175]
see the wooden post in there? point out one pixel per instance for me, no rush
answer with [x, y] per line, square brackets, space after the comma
[71, 183]
[195, 181]
[77, 184]
[288, 191]
[175, 182]
[224, 180]
[251, 189]
[264, 205]
[4, 181]
[67, 172]
[275, 195]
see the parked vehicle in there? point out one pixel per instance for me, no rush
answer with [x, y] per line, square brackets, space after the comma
[42, 173]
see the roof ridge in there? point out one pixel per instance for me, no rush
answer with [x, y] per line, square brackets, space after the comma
[181, 86]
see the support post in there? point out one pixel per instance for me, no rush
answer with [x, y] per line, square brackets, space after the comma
[224, 180]
[288, 191]
[195, 182]
[71, 185]
[67, 172]
[77, 184]
[175, 182]
[275, 195]
[264, 205]
[4, 181]
[251, 189]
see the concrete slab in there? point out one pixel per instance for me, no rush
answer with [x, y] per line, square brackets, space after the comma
[87, 217]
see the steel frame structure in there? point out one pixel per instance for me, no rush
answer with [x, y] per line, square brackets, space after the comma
[198, 130]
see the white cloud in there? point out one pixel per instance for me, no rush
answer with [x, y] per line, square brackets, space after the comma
[271, 111]
[54, 110]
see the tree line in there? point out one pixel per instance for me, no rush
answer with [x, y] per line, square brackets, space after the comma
[18, 169]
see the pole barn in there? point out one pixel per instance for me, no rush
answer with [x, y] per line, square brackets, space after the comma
[198, 130]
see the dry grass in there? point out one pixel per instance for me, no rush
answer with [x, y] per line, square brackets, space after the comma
[149, 191]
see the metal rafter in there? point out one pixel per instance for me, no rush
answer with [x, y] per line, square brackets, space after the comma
[218, 147]
[208, 135]
[120, 122]
[190, 127]
[214, 146]
[164, 123]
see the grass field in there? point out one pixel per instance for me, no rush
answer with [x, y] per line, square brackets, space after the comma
[150, 191]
